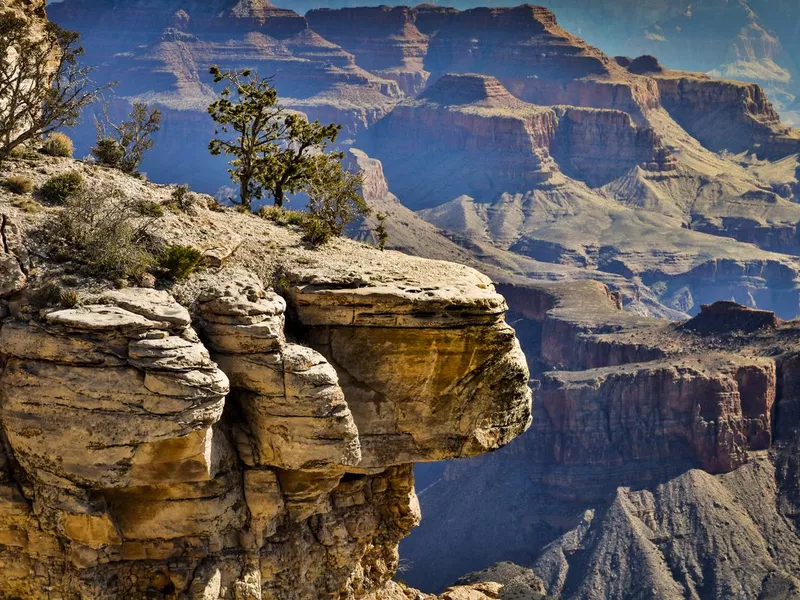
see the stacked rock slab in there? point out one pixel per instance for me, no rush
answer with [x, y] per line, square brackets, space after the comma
[135, 466]
[109, 411]
[296, 426]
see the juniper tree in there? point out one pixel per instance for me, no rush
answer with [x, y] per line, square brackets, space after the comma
[274, 151]
[43, 87]
[123, 145]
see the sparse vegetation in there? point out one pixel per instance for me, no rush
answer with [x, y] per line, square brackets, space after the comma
[24, 153]
[46, 295]
[19, 184]
[69, 299]
[27, 204]
[148, 208]
[380, 231]
[181, 199]
[42, 85]
[123, 145]
[335, 201]
[59, 189]
[282, 216]
[215, 206]
[178, 262]
[102, 229]
[58, 144]
[280, 282]
[51, 294]
[273, 151]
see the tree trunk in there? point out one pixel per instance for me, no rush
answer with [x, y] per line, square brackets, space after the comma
[244, 191]
[279, 196]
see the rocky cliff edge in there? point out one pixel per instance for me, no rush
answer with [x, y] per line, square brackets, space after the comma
[218, 439]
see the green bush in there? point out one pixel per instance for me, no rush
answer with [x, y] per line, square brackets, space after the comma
[58, 144]
[18, 184]
[316, 232]
[334, 201]
[179, 262]
[108, 152]
[60, 188]
[148, 208]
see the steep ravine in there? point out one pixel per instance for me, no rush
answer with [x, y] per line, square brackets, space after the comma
[664, 453]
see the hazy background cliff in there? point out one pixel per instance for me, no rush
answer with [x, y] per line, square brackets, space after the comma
[751, 40]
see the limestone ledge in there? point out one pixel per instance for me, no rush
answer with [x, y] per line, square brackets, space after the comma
[150, 451]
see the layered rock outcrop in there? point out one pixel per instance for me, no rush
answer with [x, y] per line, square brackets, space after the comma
[460, 117]
[472, 119]
[726, 115]
[384, 40]
[240, 444]
[579, 150]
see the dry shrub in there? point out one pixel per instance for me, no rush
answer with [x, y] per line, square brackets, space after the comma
[19, 184]
[104, 230]
[58, 144]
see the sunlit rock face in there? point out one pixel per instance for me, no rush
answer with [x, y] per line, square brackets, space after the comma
[217, 453]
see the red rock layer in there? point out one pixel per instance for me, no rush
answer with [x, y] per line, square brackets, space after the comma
[726, 115]
[384, 40]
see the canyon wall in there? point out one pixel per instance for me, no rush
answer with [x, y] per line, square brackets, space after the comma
[648, 448]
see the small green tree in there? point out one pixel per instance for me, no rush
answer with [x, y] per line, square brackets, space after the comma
[43, 87]
[123, 145]
[291, 164]
[334, 195]
[273, 151]
[380, 231]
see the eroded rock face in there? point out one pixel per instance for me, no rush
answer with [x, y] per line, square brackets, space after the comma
[384, 40]
[427, 348]
[751, 120]
[707, 412]
[469, 120]
[142, 461]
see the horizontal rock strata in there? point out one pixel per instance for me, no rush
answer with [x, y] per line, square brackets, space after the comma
[140, 461]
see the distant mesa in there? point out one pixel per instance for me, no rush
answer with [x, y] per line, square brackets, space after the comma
[644, 65]
[467, 88]
[727, 317]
